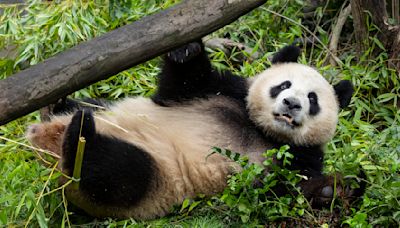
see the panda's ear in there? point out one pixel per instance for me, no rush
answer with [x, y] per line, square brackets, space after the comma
[344, 90]
[286, 55]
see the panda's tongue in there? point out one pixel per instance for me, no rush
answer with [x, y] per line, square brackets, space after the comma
[285, 117]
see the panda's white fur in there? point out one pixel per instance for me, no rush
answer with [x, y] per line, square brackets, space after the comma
[179, 136]
[313, 130]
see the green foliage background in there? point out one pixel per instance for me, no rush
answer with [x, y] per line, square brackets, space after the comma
[368, 134]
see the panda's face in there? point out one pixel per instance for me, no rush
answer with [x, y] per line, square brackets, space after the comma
[294, 104]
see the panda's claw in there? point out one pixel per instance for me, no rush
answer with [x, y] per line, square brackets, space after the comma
[327, 191]
[185, 53]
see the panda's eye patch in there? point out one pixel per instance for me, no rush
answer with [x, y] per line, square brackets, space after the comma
[274, 92]
[314, 106]
[313, 97]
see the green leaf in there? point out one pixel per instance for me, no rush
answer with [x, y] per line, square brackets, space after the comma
[185, 204]
[300, 211]
[40, 216]
[244, 218]
[193, 205]
[379, 43]
[19, 206]
[3, 217]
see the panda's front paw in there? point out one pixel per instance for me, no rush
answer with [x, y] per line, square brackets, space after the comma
[322, 190]
[185, 53]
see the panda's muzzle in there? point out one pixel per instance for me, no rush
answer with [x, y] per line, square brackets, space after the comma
[288, 111]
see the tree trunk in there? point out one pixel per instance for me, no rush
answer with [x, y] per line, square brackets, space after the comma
[360, 28]
[113, 52]
[389, 35]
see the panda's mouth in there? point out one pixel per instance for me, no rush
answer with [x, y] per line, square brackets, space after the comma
[286, 118]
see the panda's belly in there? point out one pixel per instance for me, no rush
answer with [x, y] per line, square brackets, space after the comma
[180, 139]
[192, 129]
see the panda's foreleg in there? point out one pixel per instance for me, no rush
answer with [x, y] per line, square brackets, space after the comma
[187, 73]
[318, 188]
[321, 190]
[115, 174]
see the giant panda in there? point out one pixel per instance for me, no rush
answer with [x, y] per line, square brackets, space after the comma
[144, 155]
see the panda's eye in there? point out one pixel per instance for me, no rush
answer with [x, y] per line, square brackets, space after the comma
[312, 97]
[314, 106]
[274, 92]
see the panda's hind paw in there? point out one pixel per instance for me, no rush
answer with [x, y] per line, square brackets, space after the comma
[185, 53]
[46, 135]
[82, 125]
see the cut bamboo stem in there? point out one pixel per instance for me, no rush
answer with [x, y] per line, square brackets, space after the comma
[78, 163]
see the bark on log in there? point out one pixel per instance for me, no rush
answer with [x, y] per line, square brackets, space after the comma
[113, 52]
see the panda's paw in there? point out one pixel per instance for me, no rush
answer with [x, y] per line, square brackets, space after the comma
[322, 190]
[185, 53]
[81, 125]
[51, 109]
[66, 105]
[47, 135]
[61, 106]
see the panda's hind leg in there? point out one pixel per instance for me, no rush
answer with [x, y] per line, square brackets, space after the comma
[114, 174]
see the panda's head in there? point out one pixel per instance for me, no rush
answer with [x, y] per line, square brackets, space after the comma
[293, 103]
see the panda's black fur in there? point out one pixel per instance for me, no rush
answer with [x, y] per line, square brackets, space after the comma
[113, 157]
[122, 178]
[187, 74]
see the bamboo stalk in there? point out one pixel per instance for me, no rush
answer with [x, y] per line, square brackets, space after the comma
[78, 163]
[76, 175]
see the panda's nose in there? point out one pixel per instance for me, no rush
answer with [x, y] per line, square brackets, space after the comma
[292, 103]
